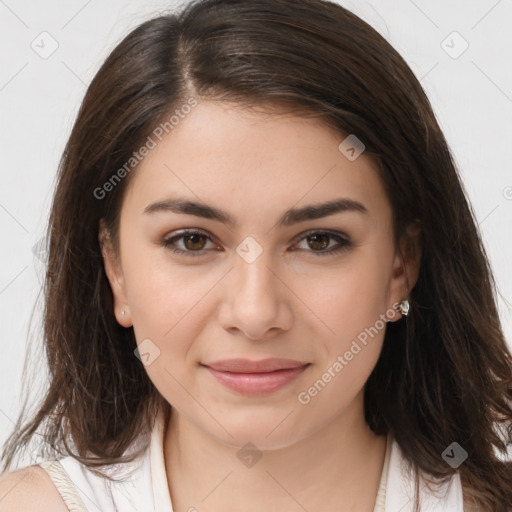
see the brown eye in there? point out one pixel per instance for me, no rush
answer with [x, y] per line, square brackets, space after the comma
[194, 242]
[319, 241]
[188, 243]
[322, 243]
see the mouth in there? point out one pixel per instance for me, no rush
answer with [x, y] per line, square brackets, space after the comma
[255, 378]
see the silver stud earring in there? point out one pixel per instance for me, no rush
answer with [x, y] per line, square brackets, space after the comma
[122, 312]
[404, 307]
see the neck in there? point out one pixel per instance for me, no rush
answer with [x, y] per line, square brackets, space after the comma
[337, 468]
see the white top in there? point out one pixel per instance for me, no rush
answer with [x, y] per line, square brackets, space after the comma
[141, 486]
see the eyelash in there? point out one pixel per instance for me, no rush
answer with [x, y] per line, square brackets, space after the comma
[343, 241]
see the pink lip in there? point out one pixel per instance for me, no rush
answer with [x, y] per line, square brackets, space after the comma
[256, 377]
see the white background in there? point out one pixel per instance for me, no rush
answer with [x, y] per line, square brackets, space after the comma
[39, 98]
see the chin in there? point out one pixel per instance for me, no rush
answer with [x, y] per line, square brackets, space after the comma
[267, 431]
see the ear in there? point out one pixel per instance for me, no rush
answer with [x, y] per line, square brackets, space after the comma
[114, 276]
[406, 267]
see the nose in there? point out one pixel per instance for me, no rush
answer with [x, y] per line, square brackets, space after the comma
[255, 299]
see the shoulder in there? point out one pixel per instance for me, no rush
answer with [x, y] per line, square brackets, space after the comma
[29, 489]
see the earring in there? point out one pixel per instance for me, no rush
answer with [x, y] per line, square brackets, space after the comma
[404, 307]
[122, 312]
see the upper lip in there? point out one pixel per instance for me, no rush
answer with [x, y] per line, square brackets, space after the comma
[248, 366]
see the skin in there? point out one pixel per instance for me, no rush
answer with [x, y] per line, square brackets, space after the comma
[290, 302]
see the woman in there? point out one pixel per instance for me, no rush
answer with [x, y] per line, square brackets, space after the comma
[266, 289]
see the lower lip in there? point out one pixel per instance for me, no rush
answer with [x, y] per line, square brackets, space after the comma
[257, 383]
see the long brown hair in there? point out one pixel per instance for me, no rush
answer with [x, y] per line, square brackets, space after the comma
[444, 374]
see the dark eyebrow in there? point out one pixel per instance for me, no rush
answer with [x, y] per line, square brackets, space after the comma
[289, 218]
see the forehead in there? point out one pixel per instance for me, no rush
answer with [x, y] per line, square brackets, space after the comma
[252, 161]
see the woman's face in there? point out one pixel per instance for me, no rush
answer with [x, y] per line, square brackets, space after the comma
[269, 273]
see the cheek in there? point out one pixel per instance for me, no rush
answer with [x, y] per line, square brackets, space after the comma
[170, 305]
[335, 386]
[348, 298]
[159, 293]
[351, 309]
